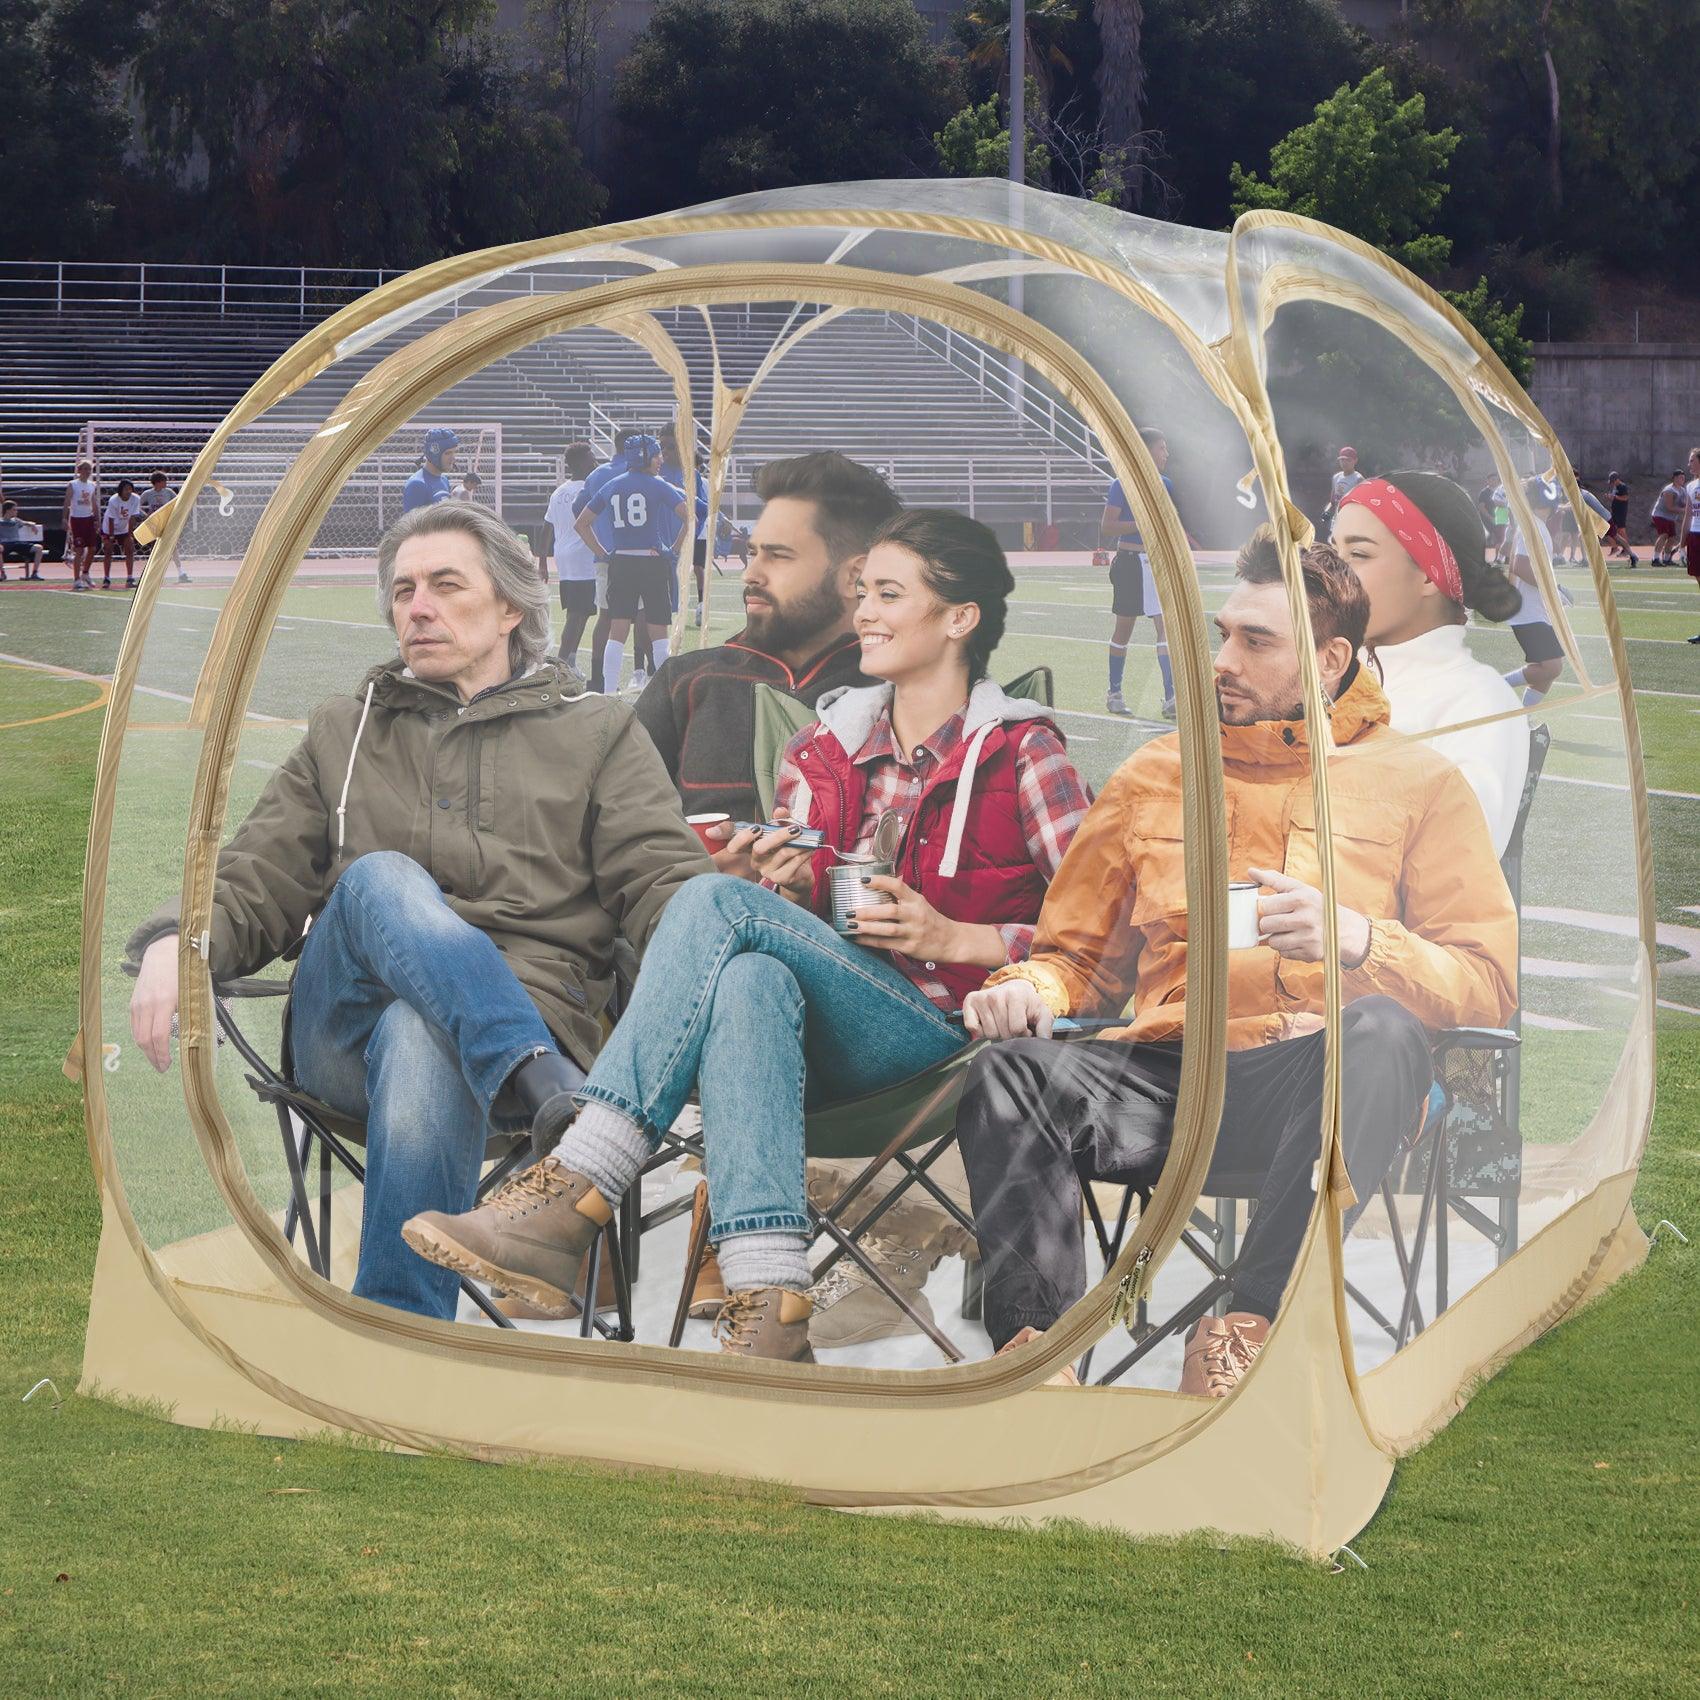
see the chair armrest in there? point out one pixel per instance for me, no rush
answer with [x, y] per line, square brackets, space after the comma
[253, 987]
[1476, 1039]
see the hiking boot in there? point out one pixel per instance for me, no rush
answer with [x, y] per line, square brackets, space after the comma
[709, 1292]
[766, 1322]
[1221, 1349]
[850, 1308]
[528, 1239]
[1115, 703]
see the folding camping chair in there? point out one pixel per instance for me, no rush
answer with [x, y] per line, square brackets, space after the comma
[339, 1137]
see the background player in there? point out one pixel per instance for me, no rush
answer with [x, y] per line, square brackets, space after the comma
[82, 524]
[157, 494]
[430, 483]
[634, 520]
[1133, 590]
[1346, 478]
[116, 526]
[575, 561]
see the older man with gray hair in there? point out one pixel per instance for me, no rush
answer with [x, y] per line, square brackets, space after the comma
[467, 832]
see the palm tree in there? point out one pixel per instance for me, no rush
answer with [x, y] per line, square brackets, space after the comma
[1121, 82]
[984, 30]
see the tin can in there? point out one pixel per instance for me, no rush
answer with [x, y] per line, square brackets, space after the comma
[849, 894]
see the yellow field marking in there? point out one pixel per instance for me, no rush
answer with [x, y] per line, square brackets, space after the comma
[103, 690]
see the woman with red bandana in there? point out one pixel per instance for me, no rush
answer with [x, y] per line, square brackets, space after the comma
[1417, 542]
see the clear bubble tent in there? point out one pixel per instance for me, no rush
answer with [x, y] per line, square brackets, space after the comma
[1256, 353]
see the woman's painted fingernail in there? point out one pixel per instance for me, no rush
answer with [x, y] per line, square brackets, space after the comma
[867, 879]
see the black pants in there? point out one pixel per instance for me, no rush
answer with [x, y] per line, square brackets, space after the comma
[1038, 1116]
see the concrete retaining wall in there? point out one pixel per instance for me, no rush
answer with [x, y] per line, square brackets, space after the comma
[1630, 406]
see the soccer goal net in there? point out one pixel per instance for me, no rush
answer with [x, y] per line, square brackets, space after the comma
[255, 460]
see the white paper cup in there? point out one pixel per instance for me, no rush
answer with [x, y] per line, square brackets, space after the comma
[1242, 914]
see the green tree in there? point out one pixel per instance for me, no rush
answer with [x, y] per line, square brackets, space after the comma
[1227, 79]
[718, 97]
[365, 132]
[63, 140]
[984, 30]
[975, 143]
[1366, 164]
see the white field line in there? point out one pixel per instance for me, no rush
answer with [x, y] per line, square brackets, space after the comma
[1610, 785]
[210, 608]
[146, 690]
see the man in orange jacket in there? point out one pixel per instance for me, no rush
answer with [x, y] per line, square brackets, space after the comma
[1427, 938]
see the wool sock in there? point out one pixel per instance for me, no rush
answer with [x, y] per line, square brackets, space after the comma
[606, 1147]
[1118, 663]
[613, 658]
[1167, 671]
[767, 1259]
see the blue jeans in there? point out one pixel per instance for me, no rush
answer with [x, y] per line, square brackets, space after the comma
[765, 1010]
[405, 1016]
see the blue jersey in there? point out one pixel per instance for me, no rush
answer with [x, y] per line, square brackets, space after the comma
[1113, 498]
[596, 479]
[637, 514]
[676, 475]
[424, 488]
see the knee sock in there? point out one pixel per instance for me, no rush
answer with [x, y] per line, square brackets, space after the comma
[1166, 670]
[1514, 678]
[658, 650]
[1118, 662]
[607, 1148]
[613, 658]
[1531, 696]
[750, 1261]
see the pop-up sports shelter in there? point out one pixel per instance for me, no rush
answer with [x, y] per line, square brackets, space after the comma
[897, 320]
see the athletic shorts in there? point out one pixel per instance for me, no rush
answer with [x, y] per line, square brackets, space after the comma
[1694, 553]
[1133, 591]
[1538, 641]
[85, 530]
[1663, 527]
[640, 581]
[578, 595]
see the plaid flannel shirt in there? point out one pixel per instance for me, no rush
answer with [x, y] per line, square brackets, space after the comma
[1050, 800]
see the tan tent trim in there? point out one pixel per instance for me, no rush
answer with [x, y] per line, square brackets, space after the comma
[393, 391]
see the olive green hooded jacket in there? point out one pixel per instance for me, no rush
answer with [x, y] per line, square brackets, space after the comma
[543, 813]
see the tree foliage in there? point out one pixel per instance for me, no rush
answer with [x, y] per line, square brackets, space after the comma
[1367, 164]
[65, 131]
[718, 97]
[975, 143]
[360, 132]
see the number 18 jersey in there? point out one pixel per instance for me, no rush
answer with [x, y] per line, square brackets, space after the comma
[637, 514]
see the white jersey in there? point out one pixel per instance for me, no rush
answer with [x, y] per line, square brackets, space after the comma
[1694, 505]
[120, 511]
[574, 562]
[1534, 606]
[84, 494]
[1342, 484]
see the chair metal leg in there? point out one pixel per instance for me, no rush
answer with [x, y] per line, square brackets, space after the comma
[693, 1265]
[325, 1205]
[847, 1247]
[631, 1230]
[1431, 1192]
[294, 1156]
[1442, 1236]
[1508, 1226]
[1227, 1241]
[973, 1290]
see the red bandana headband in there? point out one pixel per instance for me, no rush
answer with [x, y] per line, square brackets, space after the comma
[1414, 530]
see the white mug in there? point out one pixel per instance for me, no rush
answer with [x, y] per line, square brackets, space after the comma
[1242, 914]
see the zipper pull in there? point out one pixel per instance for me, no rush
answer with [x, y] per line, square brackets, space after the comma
[1131, 1288]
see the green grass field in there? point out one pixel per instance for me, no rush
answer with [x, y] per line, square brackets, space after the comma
[1544, 1544]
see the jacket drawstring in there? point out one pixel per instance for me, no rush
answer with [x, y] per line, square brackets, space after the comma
[959, 808]
[348, 778]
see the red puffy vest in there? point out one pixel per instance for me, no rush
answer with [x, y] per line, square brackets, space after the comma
[995, 879]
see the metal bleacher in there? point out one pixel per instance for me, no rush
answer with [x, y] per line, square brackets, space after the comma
[940, 419]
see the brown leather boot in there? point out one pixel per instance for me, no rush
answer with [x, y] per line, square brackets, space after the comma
[709, 1292]
[766, 1322]
[527, 1239]
[1220, 1350]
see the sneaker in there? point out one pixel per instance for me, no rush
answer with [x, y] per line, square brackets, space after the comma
[850, 1307]
[183, 578]
[528, 1239]
[709, 1292]
[766, 1322]
[1168, 710]
[637, 681]
[81, 584]
[1220, 1350]
[1114, 704]
[129, 584]
[1065, 1377]
[1695, 638]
